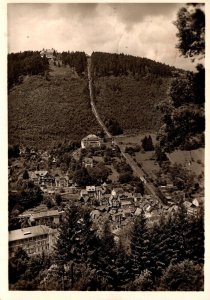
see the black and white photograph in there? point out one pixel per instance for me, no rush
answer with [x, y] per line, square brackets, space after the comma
[106, 140]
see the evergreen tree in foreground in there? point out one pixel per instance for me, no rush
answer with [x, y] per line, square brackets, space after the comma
[77, 245]
[184, 276]
[140, 246]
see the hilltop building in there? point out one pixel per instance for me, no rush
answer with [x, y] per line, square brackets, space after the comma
[49, 53]
[91, 141]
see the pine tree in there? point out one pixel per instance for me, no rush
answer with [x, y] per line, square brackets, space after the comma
[140, 246]
[121, 268]
[106, 260]
[184, 276]
[77, 243]
[25, 174]
[142, 283]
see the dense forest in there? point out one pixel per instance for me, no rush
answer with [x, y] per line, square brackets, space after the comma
[25, 63]
[135, 85]
[168, 256]
[106, 64]
[131, 100]
[77, 60]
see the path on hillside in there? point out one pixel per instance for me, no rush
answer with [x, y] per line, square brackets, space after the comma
[136, 169]
[92, 100]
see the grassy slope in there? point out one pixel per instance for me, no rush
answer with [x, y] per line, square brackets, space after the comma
[42, 112]
[132, 102]
[194, 157]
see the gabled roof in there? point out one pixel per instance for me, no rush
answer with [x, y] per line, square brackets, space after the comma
[41, 173]
[32, 175]
[95, 212]
[138, 211]
[126, 202]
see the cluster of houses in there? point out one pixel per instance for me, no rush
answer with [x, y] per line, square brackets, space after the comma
[43, 178]
[170, 193]
[117, 205]
[39, 225]
[194, 205]
[39, 230]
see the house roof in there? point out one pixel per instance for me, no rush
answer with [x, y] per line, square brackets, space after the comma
[47, 51]
[138, 211]
[86, 197]
[88, 160]
[197, 201]
[95, 212]
[90, 188]
[126, 202]
[91, 137]
[24, 233]
[42, 214]
[41, 173]
[32, 175]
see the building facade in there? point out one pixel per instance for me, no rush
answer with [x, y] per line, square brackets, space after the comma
[34, 240]
[91, 141]
[47, 217]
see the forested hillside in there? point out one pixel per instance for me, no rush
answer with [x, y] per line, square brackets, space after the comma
[25, 63]
[105, 64]
[76, 60]
[43, 111]
[128, 89]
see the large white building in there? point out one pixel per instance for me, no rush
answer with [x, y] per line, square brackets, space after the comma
[48, 53]
[34, 240]
[91, 141]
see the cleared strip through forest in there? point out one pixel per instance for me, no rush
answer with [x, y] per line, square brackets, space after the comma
[136, 169]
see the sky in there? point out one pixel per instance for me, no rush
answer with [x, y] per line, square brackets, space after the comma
[139, 29]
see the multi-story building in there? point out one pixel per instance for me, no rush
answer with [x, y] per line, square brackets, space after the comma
[43, 217]
[41, 178]
[91, 141]
[49, 53]
[34, 240]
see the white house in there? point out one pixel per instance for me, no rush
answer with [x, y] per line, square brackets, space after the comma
[91, 141]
